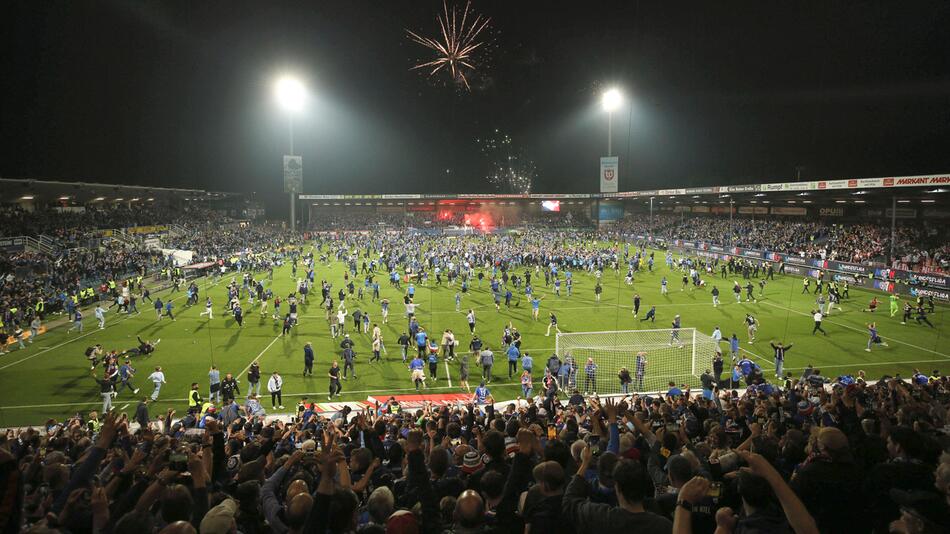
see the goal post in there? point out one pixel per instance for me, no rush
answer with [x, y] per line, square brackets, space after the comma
[671, 356]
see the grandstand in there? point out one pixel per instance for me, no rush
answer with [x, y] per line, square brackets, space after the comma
[352, 268]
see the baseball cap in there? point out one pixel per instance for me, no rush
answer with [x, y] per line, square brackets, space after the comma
[218, 520]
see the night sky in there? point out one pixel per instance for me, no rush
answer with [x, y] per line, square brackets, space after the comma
[178, 93]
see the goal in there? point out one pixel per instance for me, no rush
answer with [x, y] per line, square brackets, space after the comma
[669, 358]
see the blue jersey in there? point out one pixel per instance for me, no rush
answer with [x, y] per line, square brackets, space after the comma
[746, 365]
[527, 363]
[421, 339]
[416, 364]
[513, 353]
[481, 394]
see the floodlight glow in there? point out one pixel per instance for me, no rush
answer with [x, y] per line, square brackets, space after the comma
[290, 93]
[611, 99]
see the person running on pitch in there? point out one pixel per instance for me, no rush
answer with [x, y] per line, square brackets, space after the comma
[675, 332]
[873, 337]
[650, 316]
[334, 374]
[922, 317]
[818, 316]
[752, 325]
[908, 312]
[553, 324]
[895, 304]
[209, 310]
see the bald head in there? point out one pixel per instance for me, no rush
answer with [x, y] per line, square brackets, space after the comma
[295, 488]
[833, 442]
[179, 527]
[469, 509]
[297, 510]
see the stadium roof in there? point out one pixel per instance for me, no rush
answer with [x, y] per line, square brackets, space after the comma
[82, 193]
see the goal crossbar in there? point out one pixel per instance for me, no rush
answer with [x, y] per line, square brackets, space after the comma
[668, 354]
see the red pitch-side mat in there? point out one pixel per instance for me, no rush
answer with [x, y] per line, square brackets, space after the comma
[413, 402]
[332, 407]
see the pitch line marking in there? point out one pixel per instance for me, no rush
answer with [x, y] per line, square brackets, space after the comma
[849, 327]
[259, 355]
[92, 331]
[371, 391]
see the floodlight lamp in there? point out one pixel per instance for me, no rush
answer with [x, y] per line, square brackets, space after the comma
[611, 99]
[290, 93]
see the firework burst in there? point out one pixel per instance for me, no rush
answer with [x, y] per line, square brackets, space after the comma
[510, 169]
[460, 41]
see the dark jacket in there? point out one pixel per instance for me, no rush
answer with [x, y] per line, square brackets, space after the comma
[605, 519]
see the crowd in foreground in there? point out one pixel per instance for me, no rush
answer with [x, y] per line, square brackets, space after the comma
[850, 456]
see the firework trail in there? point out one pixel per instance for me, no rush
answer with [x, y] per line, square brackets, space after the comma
[458, 45]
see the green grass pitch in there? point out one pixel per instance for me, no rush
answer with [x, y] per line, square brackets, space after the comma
[51, 378]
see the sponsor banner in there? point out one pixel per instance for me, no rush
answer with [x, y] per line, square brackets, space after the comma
[700, 209]
[156, 229]
[942, 295]
[832, 184]
[565, 195]
[321, 197]
[821, 264]
[848, 267]
[754, 210]
[831, 212]
[492, 196]
[700, 190]
[788, 211]
[609, 174]
[929, 280]
[772, 187]
[672, 192]
[716, 248]
[884, 285]
[859, 281]
[293, 174]
[748, 188]
[12, 244]
[794, 269]
[871, 182]
[905, 181]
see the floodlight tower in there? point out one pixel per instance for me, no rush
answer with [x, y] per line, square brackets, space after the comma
[611, 100]
[291, 95]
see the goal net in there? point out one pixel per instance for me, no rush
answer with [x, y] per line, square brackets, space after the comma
[669, 357]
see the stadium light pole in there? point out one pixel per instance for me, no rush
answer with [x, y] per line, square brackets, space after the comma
[610, 100]
[291, 95]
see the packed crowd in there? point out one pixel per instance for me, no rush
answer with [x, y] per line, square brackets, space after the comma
[922, 247]
[226, 241]
[813, 456]
[35, 284]
[73, 224]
